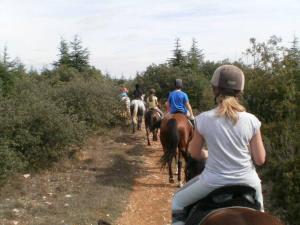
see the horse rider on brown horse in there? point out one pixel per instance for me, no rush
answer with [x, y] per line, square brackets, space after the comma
[234, 144]
[152, 102]
[178, 101]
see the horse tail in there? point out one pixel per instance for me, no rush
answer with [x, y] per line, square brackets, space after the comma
[157, 124]
[172, 141]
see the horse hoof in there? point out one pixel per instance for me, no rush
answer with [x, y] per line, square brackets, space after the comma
[180, 184]
[171, 180]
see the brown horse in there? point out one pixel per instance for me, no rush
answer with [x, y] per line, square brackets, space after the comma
[152, 124]
[240, 216]
[175, 134]
[237, 215]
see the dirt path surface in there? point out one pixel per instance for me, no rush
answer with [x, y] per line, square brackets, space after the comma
[150, 201]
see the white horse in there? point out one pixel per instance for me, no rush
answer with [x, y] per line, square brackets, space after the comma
[137, 111]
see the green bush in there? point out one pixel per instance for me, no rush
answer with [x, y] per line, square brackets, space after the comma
[93, 101]
[285, 193]
[10, 161]
[35, 127]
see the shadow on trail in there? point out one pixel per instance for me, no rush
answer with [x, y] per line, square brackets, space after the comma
[120, 174]
[125, 167]
[127, 138]
[137, 150]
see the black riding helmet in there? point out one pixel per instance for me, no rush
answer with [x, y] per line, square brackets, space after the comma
[178, 83]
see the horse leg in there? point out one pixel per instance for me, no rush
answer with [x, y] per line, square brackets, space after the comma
[133, 126]
[155, 135]
[140, 120]
[179, 169]
[147, 132]
[171, 179]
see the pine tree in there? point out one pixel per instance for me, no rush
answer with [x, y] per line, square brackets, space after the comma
[64, 55]
[6, 59]
[294, 51]
[178, 58]
[79, 55]
[195, 57]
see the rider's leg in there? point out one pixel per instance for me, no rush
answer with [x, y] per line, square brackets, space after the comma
[259, 196]
[191, 192]
[159, 111]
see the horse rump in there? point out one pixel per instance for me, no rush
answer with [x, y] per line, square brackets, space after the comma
[170, 139]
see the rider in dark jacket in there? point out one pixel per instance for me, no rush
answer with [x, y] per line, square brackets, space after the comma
[138, 92]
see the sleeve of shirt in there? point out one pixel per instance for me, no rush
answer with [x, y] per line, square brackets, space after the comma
[185, 98]
[199, 122]
[256, 124]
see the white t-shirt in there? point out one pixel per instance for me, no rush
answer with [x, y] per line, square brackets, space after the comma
[229, 158]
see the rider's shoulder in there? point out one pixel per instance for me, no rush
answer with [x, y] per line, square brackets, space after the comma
[206, 114]
[249, 117]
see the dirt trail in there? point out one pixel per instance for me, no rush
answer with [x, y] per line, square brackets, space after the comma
[150, 201]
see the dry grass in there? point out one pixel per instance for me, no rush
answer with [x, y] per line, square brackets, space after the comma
[82, 191]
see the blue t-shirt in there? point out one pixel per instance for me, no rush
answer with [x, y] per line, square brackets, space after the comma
[177, 100]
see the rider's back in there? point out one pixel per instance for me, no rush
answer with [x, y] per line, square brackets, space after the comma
[229, 158]
[177, 101]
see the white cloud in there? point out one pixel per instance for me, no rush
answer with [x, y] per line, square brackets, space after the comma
[127, 36]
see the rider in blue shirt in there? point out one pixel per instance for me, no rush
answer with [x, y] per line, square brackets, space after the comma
[179, 102]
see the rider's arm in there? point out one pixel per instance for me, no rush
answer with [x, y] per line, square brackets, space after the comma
[188, 106]
[258, 151]
[196, 147]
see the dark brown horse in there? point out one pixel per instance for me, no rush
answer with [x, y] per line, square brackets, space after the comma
[236, 215]
[175, 134]
[152, 120]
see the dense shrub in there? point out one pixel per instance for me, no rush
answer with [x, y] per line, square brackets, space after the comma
[10, 161]
[286, 188]
[34, 127]
[93, 101]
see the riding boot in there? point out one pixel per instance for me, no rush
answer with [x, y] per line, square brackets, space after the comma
[192, 122]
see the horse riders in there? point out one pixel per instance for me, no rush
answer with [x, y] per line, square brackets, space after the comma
[152, 102]
[178, 101]
[233, 140]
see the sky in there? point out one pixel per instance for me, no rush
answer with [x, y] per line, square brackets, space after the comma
[125, 36]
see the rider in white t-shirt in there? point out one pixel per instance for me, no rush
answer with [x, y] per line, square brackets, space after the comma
[233, 141]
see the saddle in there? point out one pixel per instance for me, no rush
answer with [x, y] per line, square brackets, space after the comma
[192, 123]
[224, 197]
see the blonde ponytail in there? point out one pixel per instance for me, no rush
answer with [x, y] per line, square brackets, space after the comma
[229, 107]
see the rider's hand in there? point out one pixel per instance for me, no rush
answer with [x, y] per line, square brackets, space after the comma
[192, 117]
